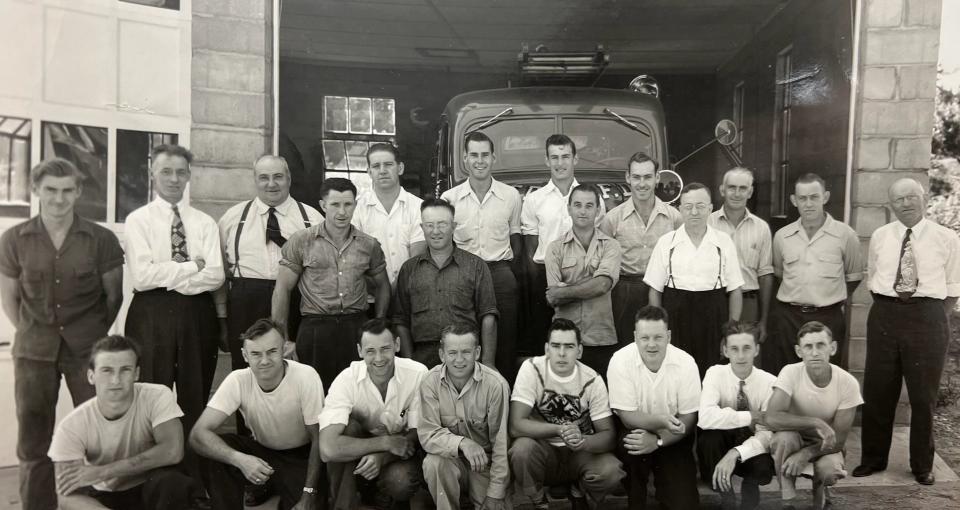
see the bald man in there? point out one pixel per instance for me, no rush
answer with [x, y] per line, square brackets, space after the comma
[913, 272]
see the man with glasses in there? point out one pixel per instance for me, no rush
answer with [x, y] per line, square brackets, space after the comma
[445, 285]
[913, 272]
[818, 262]
[695, 275]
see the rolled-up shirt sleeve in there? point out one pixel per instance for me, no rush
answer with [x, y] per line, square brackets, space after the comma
[434, 437]
[529, 225]
[292, 251]
[486, 297]
[852, 258]
[732, 273]
[610, 261]
[656, 273]
[623, 396]
[339, 402]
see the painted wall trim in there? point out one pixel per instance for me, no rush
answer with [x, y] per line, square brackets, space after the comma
[852, 120]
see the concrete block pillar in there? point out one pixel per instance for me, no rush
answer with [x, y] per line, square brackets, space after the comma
[894, 111]
[232, 98]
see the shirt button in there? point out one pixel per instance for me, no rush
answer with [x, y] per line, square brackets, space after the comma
[58, 305]
[61, 328]
[58, 280]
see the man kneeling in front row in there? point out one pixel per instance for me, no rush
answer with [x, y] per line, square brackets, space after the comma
[117, 449]
[562, 425]
[280, 401]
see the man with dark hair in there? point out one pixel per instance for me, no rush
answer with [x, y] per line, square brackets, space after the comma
[582, 266]
[330, 263]
[280, 401]
[463, 425]
[174, 257]
[368, 426]
[562, 425]
[751, 235]
[543, 219]
[488, 226]
[61, 286]
[732, 440]
[117, 450]
[655, 392]
[811, 411]
[637, 224]
[387, 212]
[695, 274]
[914, 276]
[818, 262]
[445, 285]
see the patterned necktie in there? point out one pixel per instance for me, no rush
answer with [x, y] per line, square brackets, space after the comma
[273, 228]
[178, 239]
[743, 403]
[905, 285]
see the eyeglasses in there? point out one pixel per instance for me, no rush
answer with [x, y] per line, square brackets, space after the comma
[904, 199]
[701, 207]
[441, 226]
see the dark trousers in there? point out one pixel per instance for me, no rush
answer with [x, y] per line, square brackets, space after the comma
[328, 343]
[535, 463]
[427, 353]
[712, 445]
[696, 318]
[782, 326]
[36, 389]
[674, 473]
[905, 340]
[506, 289]
[164, 489]
[539, 312]
[629, 295]
[288, 480]
[598, 357]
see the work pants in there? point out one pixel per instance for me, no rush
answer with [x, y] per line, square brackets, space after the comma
[328, 343]
[164, 489]
[446, 478]
[827, 469]
[629, 295]
[397, 482]
[539, 312]
[696, 319]
[508, 300]
[536, 463]
[674, 471]
[782, 326]
[713, 444]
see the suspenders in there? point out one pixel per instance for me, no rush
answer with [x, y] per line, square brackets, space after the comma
[670, 282]
[243, 219]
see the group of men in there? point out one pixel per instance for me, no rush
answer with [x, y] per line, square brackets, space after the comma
[447, 273]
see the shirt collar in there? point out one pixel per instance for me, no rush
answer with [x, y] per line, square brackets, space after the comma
[477, 372]
[167, 206]
[322, 230]
[830, 226]
[283, 208]
[464, 190]
[550, 187]
[362, 373]
[370, 199]
[680, 236]
[917, 229]
[669, 359]
[598, 236]
[456, 258]
[35, 226]
[722, 213]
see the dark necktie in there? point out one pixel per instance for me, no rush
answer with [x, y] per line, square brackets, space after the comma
[178, 239]
[743, 404]
[907, 280]
[273, 228]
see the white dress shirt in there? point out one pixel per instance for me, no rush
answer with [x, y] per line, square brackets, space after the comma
[694, 267]
[148, 248]
[395, 230]
[484, 226]
[353, 395]
[544, 214]
[673, 389]
[936, 250]
[718, 405]
[258, 258]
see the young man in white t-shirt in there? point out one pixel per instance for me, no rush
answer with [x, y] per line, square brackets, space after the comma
[732, 403]
[117, 450]
[655, 392]
[811, 411]
[561, 423]
[279, 400]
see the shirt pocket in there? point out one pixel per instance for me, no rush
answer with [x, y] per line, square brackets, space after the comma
[459, 298]
[750, 256]
[87, 279]
[830, 265]
[569, 268]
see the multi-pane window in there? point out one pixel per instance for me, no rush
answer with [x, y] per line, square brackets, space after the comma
[134, 186]
[14, 166]
[350, 126]
[781, 133]
[86, 147]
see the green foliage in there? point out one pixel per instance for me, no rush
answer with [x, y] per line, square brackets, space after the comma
[946, 128]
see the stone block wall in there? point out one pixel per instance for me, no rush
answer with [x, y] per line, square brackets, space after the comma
[894, 125]
[232, 98]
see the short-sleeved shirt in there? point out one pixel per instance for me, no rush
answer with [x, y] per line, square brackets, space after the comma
[580, 397]
[544, 214]
[258, 257]
[807, 399]
[354, 396]
[332, 280]
[673, 389]
[712, 265]
[278, 418]
[85, 434]
[754, 245]
[428, 297]
[396, 230]
[936, 250]
[637, 238]
[484, 226]
[569, 263]
[61, 291]
[815, 271]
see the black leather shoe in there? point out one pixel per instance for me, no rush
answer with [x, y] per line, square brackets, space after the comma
[867, 470]
[925, 478]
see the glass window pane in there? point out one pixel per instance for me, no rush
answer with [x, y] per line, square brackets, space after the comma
[606, 144]
[334, 155]
[86, 147]
[134, 187]
[357, 155]
[14, 166]
[384, 117]
[519, 143]
[335, 114]
[360, 115]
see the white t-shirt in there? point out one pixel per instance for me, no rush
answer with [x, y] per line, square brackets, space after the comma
[85, 434]
[581, 397]
[278, 418]
[673, 389]
[807, 399]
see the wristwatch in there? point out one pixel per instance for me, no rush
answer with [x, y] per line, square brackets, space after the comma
[659, 441]
[309, 490]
